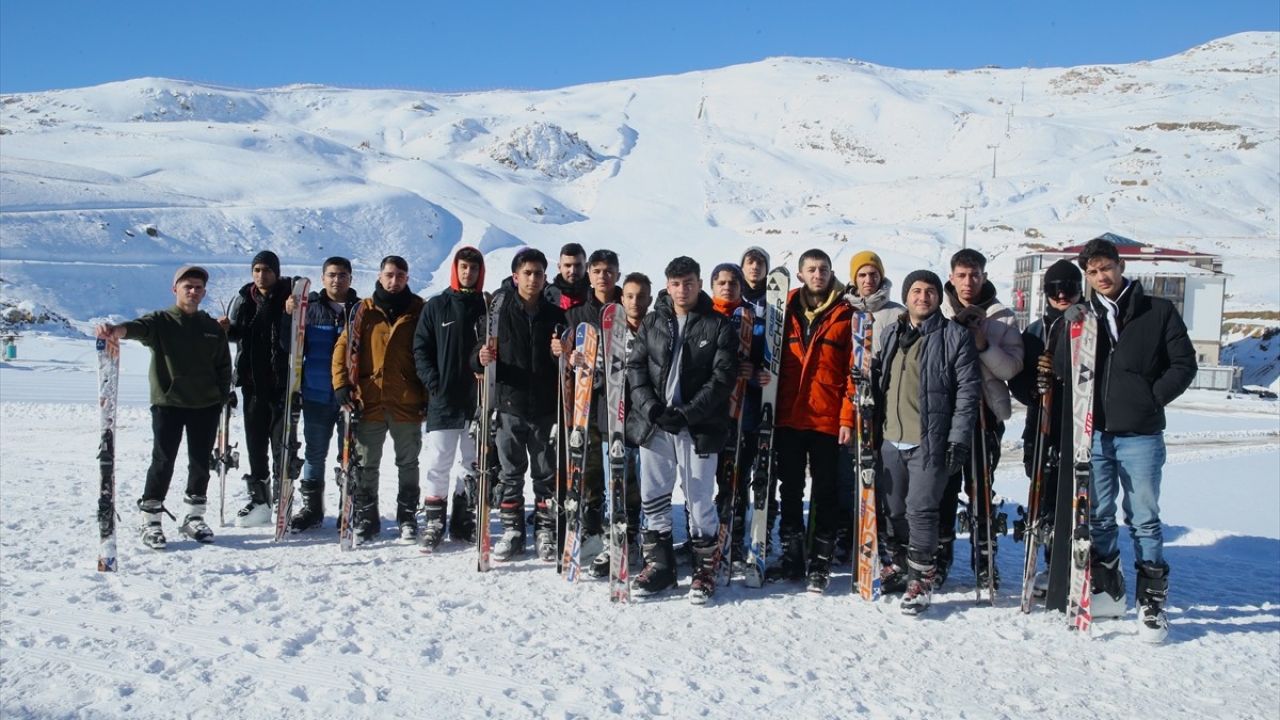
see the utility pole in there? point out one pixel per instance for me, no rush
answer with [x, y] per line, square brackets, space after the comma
[993, 159]
[964, 227]
[1008, 121]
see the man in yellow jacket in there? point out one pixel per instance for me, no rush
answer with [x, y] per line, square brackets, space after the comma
[388, 394]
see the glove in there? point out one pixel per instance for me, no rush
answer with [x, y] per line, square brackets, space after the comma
[655, 412]
[1044, 373]
[957, 457]
[971, 315]
[344, 396]
[232, 400]
[672, 421]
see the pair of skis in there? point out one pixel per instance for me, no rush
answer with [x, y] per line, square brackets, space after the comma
[485, 432]
[613, 326]
[743, 323]
[348, 472]
[866, 580]
[288, 467]
[763, 484]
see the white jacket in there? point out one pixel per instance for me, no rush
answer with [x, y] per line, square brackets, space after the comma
[1002, 359]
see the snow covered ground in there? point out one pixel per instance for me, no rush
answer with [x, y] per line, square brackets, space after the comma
[250, 628]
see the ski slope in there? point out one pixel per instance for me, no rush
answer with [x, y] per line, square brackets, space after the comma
[250, 628]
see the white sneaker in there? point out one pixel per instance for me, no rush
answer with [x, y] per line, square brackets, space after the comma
[255, 515]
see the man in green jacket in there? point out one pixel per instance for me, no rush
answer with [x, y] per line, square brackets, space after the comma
[190, 380]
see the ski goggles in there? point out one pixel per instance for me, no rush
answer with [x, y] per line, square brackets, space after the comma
[1061, 288]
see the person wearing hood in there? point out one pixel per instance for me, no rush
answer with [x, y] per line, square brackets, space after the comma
[680, 372]
[969, 300]
[755, 272]
[258, 324]
[388, 395]
[602, 274]
[815, 417]
[1063, 286]
[448, 330]
[327, 313]
[727, 281]
[190, 382]
[869, 291]
[570, 287]
[927, 395]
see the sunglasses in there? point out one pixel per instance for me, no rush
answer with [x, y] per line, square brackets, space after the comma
[1061, 288]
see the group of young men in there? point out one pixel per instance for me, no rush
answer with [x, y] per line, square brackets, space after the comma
[944, 364]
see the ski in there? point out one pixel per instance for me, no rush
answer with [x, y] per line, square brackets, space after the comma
[559, 435]
[1037, 526]
[982, 484]
[108, 390]
[290, 465]
[348, 473]
[866, 580]
[613, 328]
[762, 481]
[486, 430]
[225, 459]
[586, 344]
[743, 322]
[1084, 343]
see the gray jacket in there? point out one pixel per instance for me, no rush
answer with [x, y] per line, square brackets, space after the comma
[950, 383]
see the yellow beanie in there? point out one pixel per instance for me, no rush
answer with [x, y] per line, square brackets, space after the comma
[866, 257]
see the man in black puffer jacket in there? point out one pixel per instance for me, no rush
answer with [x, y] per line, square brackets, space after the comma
[257, 323]
[1145, 360]
[681, 371]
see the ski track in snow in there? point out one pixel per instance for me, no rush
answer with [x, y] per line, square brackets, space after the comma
[250, 628]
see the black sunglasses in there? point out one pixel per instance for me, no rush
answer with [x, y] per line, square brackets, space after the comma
[1061, 288]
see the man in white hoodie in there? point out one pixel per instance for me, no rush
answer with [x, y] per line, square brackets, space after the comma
[970, 300]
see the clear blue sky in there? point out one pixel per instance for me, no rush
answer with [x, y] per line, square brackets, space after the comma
[459, 45]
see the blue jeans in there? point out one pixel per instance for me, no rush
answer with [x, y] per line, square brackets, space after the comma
[320, 421]
[1133, 463]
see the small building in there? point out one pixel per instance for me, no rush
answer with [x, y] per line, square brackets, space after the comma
[1193, 282]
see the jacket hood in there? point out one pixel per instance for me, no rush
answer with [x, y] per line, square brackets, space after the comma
[986, 296]
[453, 272]
[874, 302]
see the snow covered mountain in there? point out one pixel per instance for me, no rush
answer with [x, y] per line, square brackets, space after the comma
[104, 189]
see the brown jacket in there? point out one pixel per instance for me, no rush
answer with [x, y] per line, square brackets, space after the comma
[388, 380]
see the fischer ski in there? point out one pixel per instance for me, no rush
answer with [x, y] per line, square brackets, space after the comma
[613, 327]
[762, 482]
[1084, 343]
[586, 345]
[866, 580]
[743, 322]
[485, 431]
[108, 391]
[290, 465]
[348, 473]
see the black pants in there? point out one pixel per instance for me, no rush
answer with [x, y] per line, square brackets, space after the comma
[819, 451]
[525, 446]
[263, 423]
[965, 478]
[167, 427]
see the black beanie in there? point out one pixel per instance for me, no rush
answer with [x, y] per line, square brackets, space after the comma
[916, 276]
[1062, 271]
[268, 258]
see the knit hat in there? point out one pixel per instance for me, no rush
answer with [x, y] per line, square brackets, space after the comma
[921, 276]
[1063, 271]
[730, 267]
[268, 258]
[754, 251]
[866, 257]
[187, 271]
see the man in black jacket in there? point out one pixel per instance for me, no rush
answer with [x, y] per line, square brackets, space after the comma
[602, 272]
[257, 323]
[569, 288]
[448, 330]
[681, 371]
[1145, 360]
[929, 391]
[526, 403]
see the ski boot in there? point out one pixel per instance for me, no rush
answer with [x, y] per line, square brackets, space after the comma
[433, 509]
[843, 552]
[462, 521]
[311, 514]
[703, 585]
[659, 573]
[1153, 592]
[544, 532]
[193, 524]
[820, 564]
[920, 576]
[152, 530]
[592, 544]
[511, 544]
[790, 563]
[257, 513]
[893, 570]
[1107, 581]
[367, 523]
[942, 560]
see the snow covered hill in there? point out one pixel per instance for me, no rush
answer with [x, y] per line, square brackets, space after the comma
[104, 189]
